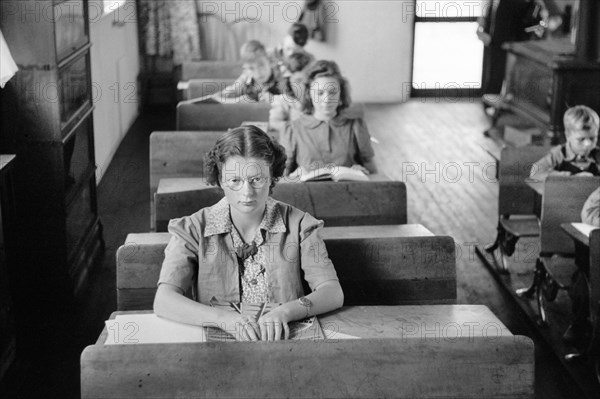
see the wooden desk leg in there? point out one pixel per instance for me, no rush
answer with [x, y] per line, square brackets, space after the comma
[539, 276]
[506, 243]
[490, 248]
[592, 353]
[495, 116]
[592, 350]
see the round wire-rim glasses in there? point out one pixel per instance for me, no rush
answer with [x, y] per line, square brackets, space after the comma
[237, 183]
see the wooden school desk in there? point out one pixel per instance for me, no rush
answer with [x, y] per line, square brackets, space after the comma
[537, 188]
[561, 199]
[202, 116]
[450, 351]
[209, 69]
[515, 200]
[581, 240]
[374, 202]
[587, 259]
[177, 153]
[376, 265]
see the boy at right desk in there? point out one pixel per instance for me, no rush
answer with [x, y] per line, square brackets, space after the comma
[580, 154]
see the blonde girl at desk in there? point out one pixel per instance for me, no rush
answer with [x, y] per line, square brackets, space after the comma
[247, 247]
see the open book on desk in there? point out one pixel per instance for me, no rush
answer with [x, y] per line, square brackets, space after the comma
[219, 99]
[335, 173]
[148, 328]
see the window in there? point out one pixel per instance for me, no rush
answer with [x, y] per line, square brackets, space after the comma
[448, 56]
[111, 5]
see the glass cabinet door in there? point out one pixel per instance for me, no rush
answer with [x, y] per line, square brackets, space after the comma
[70, 29]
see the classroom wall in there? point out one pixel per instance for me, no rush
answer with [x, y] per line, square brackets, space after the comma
[115, 65]
[370, 40]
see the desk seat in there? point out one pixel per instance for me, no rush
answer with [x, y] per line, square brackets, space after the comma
[376, 265]
[526, 226]
[434, 351]
[208, 116]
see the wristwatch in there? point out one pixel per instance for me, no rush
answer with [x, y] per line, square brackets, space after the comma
[304, 301]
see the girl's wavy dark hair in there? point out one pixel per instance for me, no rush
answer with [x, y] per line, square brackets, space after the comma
[321, 69]
[246, 142]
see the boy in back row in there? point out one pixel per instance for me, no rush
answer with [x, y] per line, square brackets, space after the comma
[580, 154]
[265, 73]
[260, 78]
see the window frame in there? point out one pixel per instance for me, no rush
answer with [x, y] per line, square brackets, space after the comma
[450, 92]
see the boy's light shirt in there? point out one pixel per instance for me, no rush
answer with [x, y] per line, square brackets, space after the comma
[555, 157]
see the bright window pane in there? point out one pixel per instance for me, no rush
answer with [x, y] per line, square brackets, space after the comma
[448, 55]
[451, 8]
[112, 5]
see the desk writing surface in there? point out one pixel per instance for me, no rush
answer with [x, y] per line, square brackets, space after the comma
[394, 230]
[454, 351]
[537, 186]
[5, 159]
[346, 232]
[577, 231]
[180, 184]
[409, 321]
[418, 321]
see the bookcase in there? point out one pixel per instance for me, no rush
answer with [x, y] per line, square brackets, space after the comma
[544, 78]
[47, 122]
[7, 222]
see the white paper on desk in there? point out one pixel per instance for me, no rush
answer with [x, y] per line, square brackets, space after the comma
[150, 329]
[584, 228]
[330, 334]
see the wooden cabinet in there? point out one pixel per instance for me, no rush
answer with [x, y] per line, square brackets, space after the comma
[544, 78]
[7, 253]
[47, 121]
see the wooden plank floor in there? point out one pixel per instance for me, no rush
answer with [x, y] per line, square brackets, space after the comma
[435, 147]
[432, 145]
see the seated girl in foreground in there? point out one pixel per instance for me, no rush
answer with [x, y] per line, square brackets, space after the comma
[324, 135]
[246, 248]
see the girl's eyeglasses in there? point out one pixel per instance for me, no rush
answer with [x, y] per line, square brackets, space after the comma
[237, 183]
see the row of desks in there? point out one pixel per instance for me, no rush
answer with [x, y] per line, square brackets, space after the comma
[402, 351]
[553, 205]
[178, 187]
